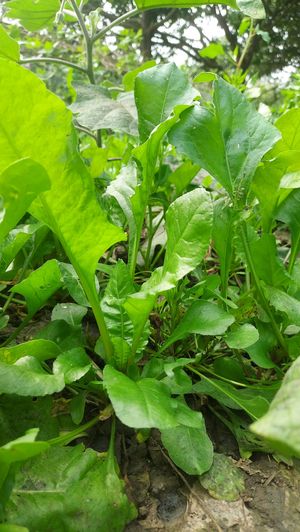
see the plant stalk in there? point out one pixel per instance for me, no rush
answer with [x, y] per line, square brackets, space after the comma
[115, 22]
[64, 62]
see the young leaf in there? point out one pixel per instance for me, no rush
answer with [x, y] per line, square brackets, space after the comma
[203, 318]
[39, 286]
[146, 403]
[242, 336]
[9, 48]
[70, 312]
[27, 377]
[95, 109]
[223, 232]
[20, 184]
[171, 88]
[128, 79]
[79, 490]
[14, 242]
[229, 142]
[280, 425]
[190, 448]
[72, 364]
[33, 14]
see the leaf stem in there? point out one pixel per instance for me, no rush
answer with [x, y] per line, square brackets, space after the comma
[259, 288]
[65, 438]
[115, 22]
[64, 62]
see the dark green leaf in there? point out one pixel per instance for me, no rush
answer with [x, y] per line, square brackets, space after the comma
[190, 448]
[171, 88]
[72, 364]
[229, 142]
[70, 312]
[146, 403]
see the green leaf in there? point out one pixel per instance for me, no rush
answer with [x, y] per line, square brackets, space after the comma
[72, 364]
[229, 141]
[19, 414]
[39, 286]
[261, 350]
[288, 212]
[203, 318]
[41, 115]
[252, 8]
[280, 426]
[22, 448]
[71, 282]
[20, 184]
[289, 126]
[246, 399]
[9, 48]
[171, 88]
[95, 109]
[224, 480]
[212, 51]
[190, 448]
[33, 14]
[39, 349]
[223, 233]
[146, 403]
[14, 242]
[242, 336]
[27, 377]
[67, 488]
[13, 528]
[183, 175]
[267, 264]
[285, 303]
[128, 79]
[70, 312]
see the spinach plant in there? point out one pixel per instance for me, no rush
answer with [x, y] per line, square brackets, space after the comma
[212, 311]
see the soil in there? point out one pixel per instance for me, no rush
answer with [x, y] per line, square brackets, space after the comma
[168, 500]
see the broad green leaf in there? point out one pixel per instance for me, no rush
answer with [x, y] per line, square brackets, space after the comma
[146, 403]
[212, 51]
[122, 353]
[252, 8]
[63, 334]
[171, 88]
[95, 109]
[268, 266]
[39, 349]
[267, 183]
[229, 141]
[72, 364]
[9, 48]
[70, 208]
[242, 336]
[27, 377]
[20, 184]
[224, 480]
[247, 399]
[203, 318]
[69, 488]
[280, 426]
[260, 351]
[285, 303]
[33, 14]
[22, 448]
[288, 212]
[128, 79]
[39, 286]
[70, 312]
[19, 414]
[289, 126]
[190, 448]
